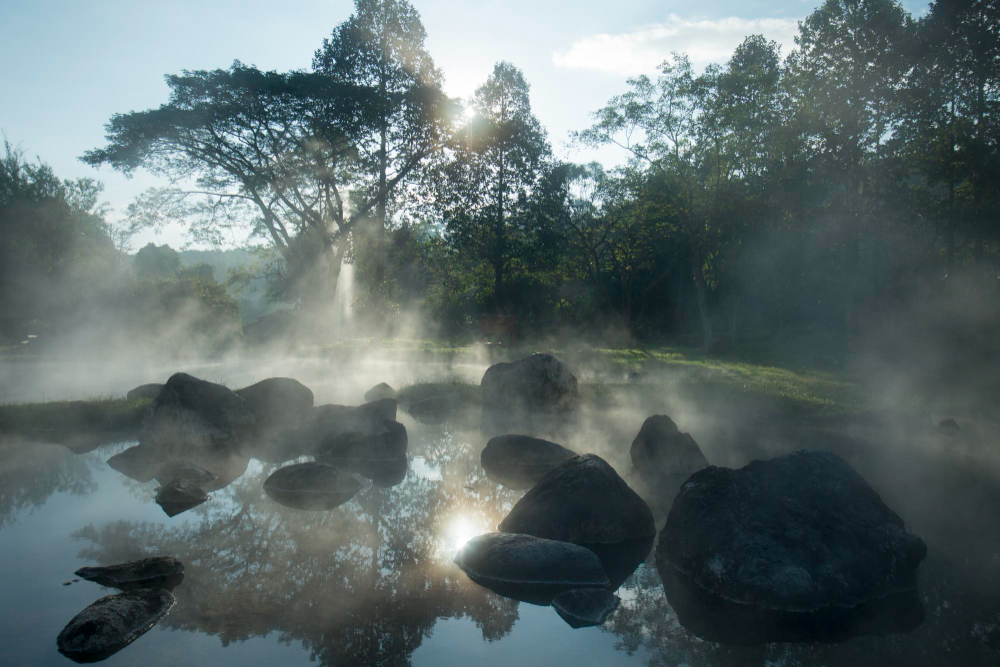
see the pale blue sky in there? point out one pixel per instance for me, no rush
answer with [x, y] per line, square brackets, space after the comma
[69, 65]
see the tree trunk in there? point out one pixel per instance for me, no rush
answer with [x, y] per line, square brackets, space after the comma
[380, 213]
[706, 318]
[500, 249]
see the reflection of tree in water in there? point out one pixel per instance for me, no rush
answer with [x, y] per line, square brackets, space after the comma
[360, 584]
[31, 472]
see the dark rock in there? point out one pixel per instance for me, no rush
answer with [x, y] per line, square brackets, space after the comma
[661, 449]
[186, 470]
[801, 533]
[67, 583]
[582, 501]
[384, 473]
[584, 607]
[535, 389]
[529, 568]
[636, 376]
[193, 412]
[277, 401]
[948, 426]
[156, 572]
[311, 486]
[139, 462]
[387, 443]
[519, 461]
[621, 559]
[380, 391]
[144, 392]
[112, 623]
[326, 421]
[433, 410]
[179, 496]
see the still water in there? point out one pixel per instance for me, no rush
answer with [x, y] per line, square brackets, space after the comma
[372, 581]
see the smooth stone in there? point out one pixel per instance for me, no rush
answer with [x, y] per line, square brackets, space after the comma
[139, 462]
[112, 623]
[179, 496]
[801, 532]
[380, 391]
[536, 383]
[185, 470]
[311, 486]
[585, 607]
[433, 410]
[584, 501]
[193, 412]
[326, 421]
[144, 392]
[383, 473]
[155, 572]
[387, 443]
[519, 461]
[661, 449]
[277, 401]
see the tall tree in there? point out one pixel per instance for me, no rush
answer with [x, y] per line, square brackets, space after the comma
[499, 159]
[381, 48]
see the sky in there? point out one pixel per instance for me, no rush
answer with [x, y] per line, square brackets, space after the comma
[71, 65]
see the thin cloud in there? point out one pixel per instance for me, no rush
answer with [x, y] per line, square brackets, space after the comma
[704, 40]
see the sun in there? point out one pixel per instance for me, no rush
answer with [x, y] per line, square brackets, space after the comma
[459, 531]
[469, 113]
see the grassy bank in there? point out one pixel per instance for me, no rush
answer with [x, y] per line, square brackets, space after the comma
[100, 414]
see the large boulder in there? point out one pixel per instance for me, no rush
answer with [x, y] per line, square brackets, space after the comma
[534, 389]
[144, 392]
[190, 412]
[519, 461]
[276, 401]
[801, 533]
[387, 443]
[661, 449]
[380, 391]
[311, 486]
[112, 623]
[155, 572]
[328, 421]
[527, 567]
[582, 501]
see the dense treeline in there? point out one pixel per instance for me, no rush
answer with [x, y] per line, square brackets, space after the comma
[849, 185]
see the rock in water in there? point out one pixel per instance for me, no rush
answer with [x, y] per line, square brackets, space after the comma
[144, 391]
[139, 462]
[948, 426]
[193, 412]
[311, 486]
[156, 572]
[536, 388]
[584, 607]
[661, 449]
[800, 533]
[179, 469]
[434, 410]
[327, 421]
[582, 501]
[519, 461]
[179, 496]
[387, 443]
[380, 391]
[529, 568]
[112, 623]
[277, 401]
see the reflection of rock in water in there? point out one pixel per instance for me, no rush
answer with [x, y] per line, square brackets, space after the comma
[585, 607]
[156, 572]
[716, 619]
[112, 623]
[311, 486]
[519, 461]
[384, 473]
[179, 496]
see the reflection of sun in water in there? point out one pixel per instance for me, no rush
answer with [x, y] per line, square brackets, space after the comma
[458, 531]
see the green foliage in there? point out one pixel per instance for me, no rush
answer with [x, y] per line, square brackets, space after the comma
[153, 261]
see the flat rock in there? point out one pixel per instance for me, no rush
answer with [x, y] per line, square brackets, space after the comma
[380, 391]
[311, 486]
[112, 623]
[386, 443]
[180, 469]
[519, 461]
[139, 462]
[524, 560]
[144, 392]
[156, 572]
[801, 532]
[193, 412]
[584, 607]
[584, 501]
[277, 401]
[179, 496]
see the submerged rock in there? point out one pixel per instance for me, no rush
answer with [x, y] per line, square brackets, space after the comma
[380, 391]
[179, 496]
[311, 486]
[112, 623]
[529, 568]
[948, 426]
[139, 462]
[144, 392]
[193, 412]
[519, 461]
[156, 572]
[180, 469]
[801, 533]
[277, 401]
[582, 501]
[538, 388]
[584, 607]
[384, 444]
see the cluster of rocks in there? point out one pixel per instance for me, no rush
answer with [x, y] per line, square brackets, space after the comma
[115, 621]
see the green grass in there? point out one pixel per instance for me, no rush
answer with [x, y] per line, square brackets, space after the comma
[99, 414]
